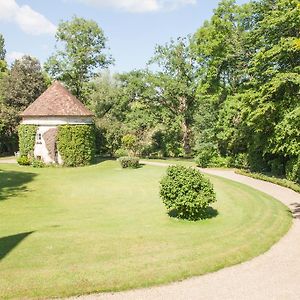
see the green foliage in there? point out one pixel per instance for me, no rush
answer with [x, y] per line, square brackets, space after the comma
[20, 87]
[250, 83]
[2, 48]
[129, 162]
[239, 160]
[36, 163]
[121, 152]
[186, 192]
[27, 135]
[280, 181]
[129, 142]
[83, 43]
[293, 170]
[76, 144]
[24, 160]
[206, 154]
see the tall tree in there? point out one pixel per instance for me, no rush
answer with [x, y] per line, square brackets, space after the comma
[81, 54]
[173, 87]
[24, 83]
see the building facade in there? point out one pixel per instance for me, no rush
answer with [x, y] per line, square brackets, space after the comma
[55, 107]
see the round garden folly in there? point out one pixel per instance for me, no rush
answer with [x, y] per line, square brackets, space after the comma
[57, 128]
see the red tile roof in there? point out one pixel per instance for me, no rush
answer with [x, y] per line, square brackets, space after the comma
[56, 101]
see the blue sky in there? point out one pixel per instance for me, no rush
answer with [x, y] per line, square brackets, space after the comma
[133, 27]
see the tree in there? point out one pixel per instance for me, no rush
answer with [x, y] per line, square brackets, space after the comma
[176, 83]
[81, 45]
[3, 64]
[249, 60]
[2, 48]
[24, 84]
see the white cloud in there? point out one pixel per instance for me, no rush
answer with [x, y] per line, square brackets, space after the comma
[139, 6]
[12, 56]
[29, 20]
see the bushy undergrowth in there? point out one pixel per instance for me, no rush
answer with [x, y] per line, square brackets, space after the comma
[36, 163]
[280, 181]
[129, 162]
[120, 153]
[186, 193]
[23, 161]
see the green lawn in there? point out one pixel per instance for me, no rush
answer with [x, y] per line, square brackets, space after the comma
[66, 231]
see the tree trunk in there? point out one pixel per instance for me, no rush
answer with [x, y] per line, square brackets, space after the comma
[186, 137]
[183, 107]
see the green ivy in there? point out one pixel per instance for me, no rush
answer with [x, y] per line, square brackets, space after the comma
[26, 139]
[76, 144]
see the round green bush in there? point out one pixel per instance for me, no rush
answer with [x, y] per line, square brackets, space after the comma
[23, 161]
[187, 193]
[129, 162]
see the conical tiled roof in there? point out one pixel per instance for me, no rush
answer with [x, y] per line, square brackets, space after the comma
[56, 101]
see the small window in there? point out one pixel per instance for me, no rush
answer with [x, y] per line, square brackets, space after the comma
[39, 138]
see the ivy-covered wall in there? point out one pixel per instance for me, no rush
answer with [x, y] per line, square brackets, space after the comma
[76, 144]
[27, 135]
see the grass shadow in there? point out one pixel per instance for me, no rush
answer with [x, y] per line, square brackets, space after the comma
[296, 210]
[13, 183]
[207, 213]
[8, 243]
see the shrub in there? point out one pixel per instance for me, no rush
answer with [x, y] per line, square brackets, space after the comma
[219, 162]
[120, 153]
[280, 181]
[129, 162]
[277, 167]
[293, 170]
[23, 160]
[129, 142]
[239, 160]
[36, 163]
[186, 192]
[76, 144]
[27, 135]
[206, 153]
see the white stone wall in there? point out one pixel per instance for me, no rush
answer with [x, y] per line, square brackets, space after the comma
[52, 121]
[41, 149]
[46, 123]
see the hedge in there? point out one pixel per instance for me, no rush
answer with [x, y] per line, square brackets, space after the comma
[76, 144]
[27, 135]
[280, 181]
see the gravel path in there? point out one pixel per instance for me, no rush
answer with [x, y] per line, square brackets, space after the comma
[8, 161]
[272, 275]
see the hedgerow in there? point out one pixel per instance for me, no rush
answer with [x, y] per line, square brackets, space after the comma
[27, 135]
[76, 144]
[280, 181]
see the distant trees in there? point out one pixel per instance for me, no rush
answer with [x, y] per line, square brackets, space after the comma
[249, 89]
[80, 54]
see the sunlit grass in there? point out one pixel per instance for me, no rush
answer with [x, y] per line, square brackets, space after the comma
[68, 231]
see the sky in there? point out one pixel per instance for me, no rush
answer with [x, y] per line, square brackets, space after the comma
[132, 27]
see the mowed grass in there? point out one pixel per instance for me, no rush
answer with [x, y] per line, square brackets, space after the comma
[66, 231]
